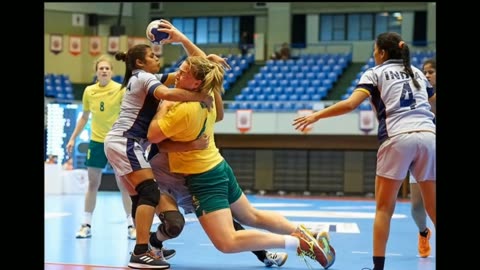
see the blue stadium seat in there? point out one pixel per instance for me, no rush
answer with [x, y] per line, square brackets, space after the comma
[272, 97]
[326, 68]
[279, 76]
[299, 76]
[316, 97]
[226, 85]
[284, 83]
[252, 83]
[322, 90]
[284, 69]
[316, 69]
[266, 106]
[289, 90]
[305, 97]
[273, 83]
[305, 69]
[244, 106]
[231, 78]
[267, 90]
[289, 62]
[295, 69]
[299, 90]
[310, 75]
[327, 83]
[300, 62]
[294, 83]
[311, 90]
[321, 75]
[261, 97]
[316, 83]
[305, 83]
[49, 91]
[240, 97]
[288, 106]
[293, 97]
[282, 97]
[257, 90]
[268, 76]
[277, 106]
[233, 105]
[256, 106]
[278, 90]
[298, 106]
[320, 62]
[247, 91]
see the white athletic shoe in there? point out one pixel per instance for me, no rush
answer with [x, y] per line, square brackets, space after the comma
[132, 233]
[84, 232]
[275, 258]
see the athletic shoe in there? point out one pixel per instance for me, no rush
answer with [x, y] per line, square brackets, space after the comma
[84, 232]
[148, 260]
[275, 258]
[323, 240]
[132, 233]
[424, 248]
[168, 253]
[319, 251]
[162, 252]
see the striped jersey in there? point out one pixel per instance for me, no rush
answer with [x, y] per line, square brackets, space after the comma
[139, 105]
[400, 107]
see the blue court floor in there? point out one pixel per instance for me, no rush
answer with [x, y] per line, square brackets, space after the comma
[350, 222]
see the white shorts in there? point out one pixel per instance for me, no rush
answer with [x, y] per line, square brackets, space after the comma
[171, 184]
[125, 154]
[414, 151]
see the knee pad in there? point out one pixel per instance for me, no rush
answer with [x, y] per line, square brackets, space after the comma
[134, 204]
[148, 193]
[172, 223]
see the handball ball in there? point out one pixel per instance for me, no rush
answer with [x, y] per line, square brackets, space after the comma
[157, 35]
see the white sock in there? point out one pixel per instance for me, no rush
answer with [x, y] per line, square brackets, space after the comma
[130, 221]
[87, 218]
[291, 243]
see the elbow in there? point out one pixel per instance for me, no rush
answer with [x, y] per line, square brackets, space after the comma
[348, 106]
[219, 118]
[151, 134]
[150, 137]
[160, 93]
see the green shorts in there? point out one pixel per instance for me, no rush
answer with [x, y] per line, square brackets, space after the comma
[213, 190]
[96, 155]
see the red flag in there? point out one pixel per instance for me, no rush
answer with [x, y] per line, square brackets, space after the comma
[75, 45]
[113, 45]
[94, 45]
[56, 43]
[244, 120]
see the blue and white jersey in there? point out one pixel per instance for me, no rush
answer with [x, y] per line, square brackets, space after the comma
[139, 105]
[400, 107]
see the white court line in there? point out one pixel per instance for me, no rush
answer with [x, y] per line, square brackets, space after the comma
[56, 214]
[332, 214]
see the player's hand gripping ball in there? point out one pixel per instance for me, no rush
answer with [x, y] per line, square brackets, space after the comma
[153, 34]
